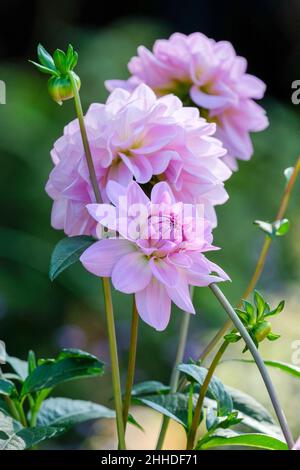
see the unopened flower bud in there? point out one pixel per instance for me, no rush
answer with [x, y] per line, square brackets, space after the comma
[60, 88]
[262, 330]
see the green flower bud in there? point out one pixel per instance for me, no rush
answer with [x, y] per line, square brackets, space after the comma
[262, 330]
[60, 88]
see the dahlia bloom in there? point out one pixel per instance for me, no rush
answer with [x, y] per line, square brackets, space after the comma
[156, 260]
[208, 74]
[136, 135]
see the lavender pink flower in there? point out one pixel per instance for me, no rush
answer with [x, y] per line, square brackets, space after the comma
[159, 261]
[136, 135]
[209, 74]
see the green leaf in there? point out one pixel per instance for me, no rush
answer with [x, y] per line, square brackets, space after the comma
[60, 61]
[249, 422]
[283, 366]
[216, 389]
[150, 387]
[69, 365]
[9, 440]
[259, 303]
[31, 361]
[19, 366]
[133, 421]
[273, 336]
[67, 252]
[276, 310]
[7, 388]
[36, 435]
[173, 405]
[72, 57]
[43, 69]
[243, 316]
[232, 337]
[45, 58]
[249, 406]
[64, 412]
[281, 227]
[4, 407]
[260, 441]
[250, 310]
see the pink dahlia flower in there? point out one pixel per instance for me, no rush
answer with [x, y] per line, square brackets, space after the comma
[159, 258]
[208, 74]
[136, 135]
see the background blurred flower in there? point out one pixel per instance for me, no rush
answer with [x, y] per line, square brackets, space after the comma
[210, 75]
[136, 135]
[158, 269]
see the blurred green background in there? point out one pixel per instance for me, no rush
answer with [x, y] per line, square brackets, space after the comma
[44, 316]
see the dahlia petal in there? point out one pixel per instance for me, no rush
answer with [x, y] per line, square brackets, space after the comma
[164, 271]
[162, 193]
[131, 273]
[101, 257]
[180, 295]
[154, 305]
[207, 101]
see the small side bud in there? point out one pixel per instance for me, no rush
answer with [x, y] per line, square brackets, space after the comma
[60, 66]
[262, 330]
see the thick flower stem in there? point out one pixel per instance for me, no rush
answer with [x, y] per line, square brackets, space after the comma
[131, 363]
[202, 393]
[260, 263]
[114, 362]
[184, 327]
[256, 356]
[105, 281]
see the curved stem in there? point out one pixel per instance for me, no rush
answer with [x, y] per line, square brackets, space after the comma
[202, 393]
[184, 328]
[131, 363]
[259, 362]
[260, 263]
[114, 361]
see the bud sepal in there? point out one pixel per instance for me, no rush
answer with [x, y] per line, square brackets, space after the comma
[60, 66]
[255, 317]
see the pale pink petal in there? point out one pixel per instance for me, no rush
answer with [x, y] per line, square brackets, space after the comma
[207, 101]
[163, 271]
[154, 305]
[131, 273]
[180, 295]
[162, 193]
[101, 257]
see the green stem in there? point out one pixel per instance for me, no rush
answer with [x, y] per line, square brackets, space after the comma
[259, 362]
[85, 142]
[105, 281]
[260, 263]
[12, 408]
[21, 414]
[202, 394]
[131, 363]
[190, 405]
[114, 362]
[184, 328]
